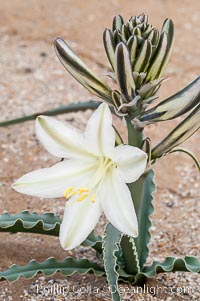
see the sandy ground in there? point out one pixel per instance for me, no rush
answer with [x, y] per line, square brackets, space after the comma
[32, 79]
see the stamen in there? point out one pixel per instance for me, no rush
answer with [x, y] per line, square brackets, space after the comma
[69, 192]
[82, 193]
[69, 195]
[69, 189]
[82, 197]
[92, 199]
[81, 190]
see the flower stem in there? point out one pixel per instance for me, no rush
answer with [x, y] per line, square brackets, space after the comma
[135, 138]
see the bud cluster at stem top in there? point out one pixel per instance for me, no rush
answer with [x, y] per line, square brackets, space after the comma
[138, 54]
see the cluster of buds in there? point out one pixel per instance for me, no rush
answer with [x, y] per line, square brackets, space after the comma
[138, 55]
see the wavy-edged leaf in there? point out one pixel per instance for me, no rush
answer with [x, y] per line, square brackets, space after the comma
[130, 256]
[109, 46]
[111, 241]
[170, 264]
[176, 105]
[49, 267]
[123, 71]
[142, 194]
[70, 108]
[80, 71]
[47, 223]
[179, 134]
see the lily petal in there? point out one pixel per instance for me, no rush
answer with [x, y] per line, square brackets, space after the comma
[117, 203]
[79, 220]
[131, 162]
[99, 133]
[52, 182]
[61, 140]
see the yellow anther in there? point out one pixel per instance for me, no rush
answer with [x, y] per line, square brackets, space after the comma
[82, 193]
[81, 190]
[69, 192]
[82, 197]
[92, 199]
[69, 189]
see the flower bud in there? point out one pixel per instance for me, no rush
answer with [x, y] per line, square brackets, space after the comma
[145, 52]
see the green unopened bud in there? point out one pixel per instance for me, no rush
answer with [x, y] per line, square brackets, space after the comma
[109, 46]
[174, 106]
[117, 23]
[143, 58]
[163, 52]
[138, 57]
[148, 54]
[80, 71]
[180, 134]
[124, 72]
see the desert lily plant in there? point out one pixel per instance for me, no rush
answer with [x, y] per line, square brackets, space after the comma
[97, 171]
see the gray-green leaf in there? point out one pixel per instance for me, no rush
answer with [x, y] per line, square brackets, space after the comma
[142, 195]
[170, 264]
[49, 267]
[47, 223]
[72, 107]
[111, 242]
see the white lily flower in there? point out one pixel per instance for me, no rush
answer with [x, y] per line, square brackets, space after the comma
[92, 176]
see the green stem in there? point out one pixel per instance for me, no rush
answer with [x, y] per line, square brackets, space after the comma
[134, 139]
[137, 190]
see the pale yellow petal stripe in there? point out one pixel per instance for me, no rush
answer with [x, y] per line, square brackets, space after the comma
[79, 220]
[61, 140]
[99, 133]
[117, 204]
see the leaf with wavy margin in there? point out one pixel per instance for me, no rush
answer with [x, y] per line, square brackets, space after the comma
[111, 241]
[170, 264]
[47, 223]
[49, 267]
[141, 192]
